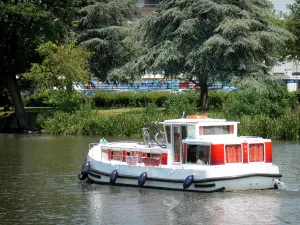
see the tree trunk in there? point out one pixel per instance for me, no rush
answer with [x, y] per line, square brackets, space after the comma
[203, 94]
[18, 104]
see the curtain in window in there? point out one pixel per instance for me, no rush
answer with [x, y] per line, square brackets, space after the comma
[233, 154]
[256, 153]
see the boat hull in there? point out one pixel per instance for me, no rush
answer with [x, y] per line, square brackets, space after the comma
[217, 184]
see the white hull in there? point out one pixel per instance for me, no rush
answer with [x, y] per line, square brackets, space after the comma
[173, 179]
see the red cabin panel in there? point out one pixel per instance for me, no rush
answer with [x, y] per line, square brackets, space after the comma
[268, 149]
[217, 155]
[108, 154]
[124, 155]
[140, 155]
[164, 158]
[245, 152]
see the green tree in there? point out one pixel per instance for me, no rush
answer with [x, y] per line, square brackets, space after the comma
[62, 65]
[208, 39]
[292, 24]
[103, 28]
[24, 25]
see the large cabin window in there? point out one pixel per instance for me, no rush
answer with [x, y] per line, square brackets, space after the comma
[183, 132]
[216, 130]
[177, 143]
[233, 153]
[168, 133]
[198, 154]
[116, 155]
[256, 153]
[151, 159]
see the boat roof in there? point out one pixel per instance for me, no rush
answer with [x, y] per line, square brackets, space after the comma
[198, 121]
[224, 140]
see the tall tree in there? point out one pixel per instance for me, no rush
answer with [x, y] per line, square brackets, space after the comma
[292, 24]
[104, 26]
[208, 39]
[24, 26]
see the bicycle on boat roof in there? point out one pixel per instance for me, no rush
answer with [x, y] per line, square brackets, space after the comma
[154, 135]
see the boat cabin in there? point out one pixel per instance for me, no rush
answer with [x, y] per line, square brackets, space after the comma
[194, 141]
[212, 142]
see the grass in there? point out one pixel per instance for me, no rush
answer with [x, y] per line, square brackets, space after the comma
[117, 111]
[129, 121]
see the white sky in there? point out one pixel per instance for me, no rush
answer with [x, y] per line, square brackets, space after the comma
[280, 5]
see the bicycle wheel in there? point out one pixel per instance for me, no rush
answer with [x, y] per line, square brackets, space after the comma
[147, 138]
[160, 139]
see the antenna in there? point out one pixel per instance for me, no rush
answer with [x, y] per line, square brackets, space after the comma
[183, 114]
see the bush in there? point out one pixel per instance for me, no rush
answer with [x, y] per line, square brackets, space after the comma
[37, 100]
[179, 103]
[296, 95]
[274, 101]
[285, 127]
[217, 99]
[130, 99]
[86, 121]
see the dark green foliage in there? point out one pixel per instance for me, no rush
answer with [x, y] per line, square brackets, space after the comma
[103, 29]
[24, 25]
[87, 122]
[285, 127]
[66, 101]
[182, 103]
[217, 99]
[130, 99]
[273, 101]
[37, 100]
[296, 95]
[210, 40]
[292, 24]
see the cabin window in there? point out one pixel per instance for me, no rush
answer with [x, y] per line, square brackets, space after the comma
[216, 130]
[116, 155]
[177, 140]
[256, 153]
[151, 159]
[183, 132]
[233, 153]
[168, 133]
[198, 154]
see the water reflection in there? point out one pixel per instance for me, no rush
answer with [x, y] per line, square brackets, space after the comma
[116, 205]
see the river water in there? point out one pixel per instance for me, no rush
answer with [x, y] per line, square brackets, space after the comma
[39, 185]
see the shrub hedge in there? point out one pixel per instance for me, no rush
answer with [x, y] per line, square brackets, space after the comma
[107, 99]
[37, 100]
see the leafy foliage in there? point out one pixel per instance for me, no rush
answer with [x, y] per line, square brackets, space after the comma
[260, 97]
[179, 104]
[62, 65]
[211, 39]
[104, 29]
[292, 23]
[24, 26]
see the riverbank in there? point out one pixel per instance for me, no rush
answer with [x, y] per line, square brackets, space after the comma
[129, 122]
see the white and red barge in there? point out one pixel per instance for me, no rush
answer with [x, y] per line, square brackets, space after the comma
[201, 154]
